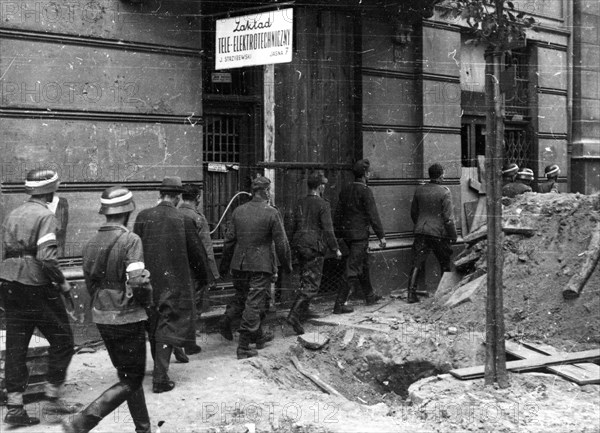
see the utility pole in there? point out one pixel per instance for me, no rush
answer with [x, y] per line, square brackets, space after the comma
[495, 359]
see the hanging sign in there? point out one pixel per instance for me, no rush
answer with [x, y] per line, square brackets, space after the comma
[259, 39]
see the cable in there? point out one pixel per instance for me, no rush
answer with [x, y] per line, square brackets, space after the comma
[227, 208]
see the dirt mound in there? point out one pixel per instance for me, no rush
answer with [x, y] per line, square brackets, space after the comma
[536, 270]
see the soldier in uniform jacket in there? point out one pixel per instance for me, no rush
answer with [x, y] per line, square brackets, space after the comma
[520, 186]
[551, 185]
[356, 212]
[115, 276]
[312, 236]
[255, 230]
[31, 287]
[432, 213]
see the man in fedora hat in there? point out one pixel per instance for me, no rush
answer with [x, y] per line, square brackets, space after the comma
[356, 212]
[312, 237]
[175, 257]
[255, 231]
[551, 185]
[31, 285]
[115, 276]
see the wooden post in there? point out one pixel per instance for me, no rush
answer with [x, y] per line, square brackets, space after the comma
[495, 360]
[269, 124]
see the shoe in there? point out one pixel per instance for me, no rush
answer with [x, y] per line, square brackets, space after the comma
[412, 298]
[193, 349]
[180, 355]
[243, 353]
[295, 316]
[18, 416]
[159, 387]
[225, 328]
[57, 406]
[263, 339]
[373, 299]
[342, 309]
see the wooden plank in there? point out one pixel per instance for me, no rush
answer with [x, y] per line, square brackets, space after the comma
[581, 374]
[316, 380]
[480, 218]
[530, 363]
[549, 350]
[470, 209]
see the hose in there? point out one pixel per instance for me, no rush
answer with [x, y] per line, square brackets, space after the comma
[227, 208]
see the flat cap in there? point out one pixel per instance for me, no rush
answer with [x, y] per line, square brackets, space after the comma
[260, 182]
[361, 167]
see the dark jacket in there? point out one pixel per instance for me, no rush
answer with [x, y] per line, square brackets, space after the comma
[174, 255]
[107, 258]
[549, 186]
[513, 189]
[432, 211]
[204, 232]
[29, 246]
[356, 212]
[255, 229]
[312, 228]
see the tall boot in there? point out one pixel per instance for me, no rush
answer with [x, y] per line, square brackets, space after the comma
[139, 411]
[294, 318]
[367, 289]
[262, 337]
[244, 351]
[412, 287]
[89, 417]
[340, 306]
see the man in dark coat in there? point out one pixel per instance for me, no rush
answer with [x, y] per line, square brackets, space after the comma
[189, 207]
[174, 255]
[312, 237]
[255, 230]
[433, 215]
[551, 185]
[355, 213]
[509, 172]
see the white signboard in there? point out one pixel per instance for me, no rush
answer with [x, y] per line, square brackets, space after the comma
[258, 39]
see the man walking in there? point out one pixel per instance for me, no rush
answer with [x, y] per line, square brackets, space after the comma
[189, 207]
[115, 276]
[355, 213]
[256, 230]
[432, 213]
[174, 256]
[31, 286]
[312, 236]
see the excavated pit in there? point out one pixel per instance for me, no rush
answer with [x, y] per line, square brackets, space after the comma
[371, 367]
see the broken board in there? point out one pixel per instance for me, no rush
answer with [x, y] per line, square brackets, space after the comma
[533, 363]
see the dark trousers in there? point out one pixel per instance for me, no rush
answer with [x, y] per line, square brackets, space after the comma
[161, 352]
[27, 308]
[250, 299]
[311, 273]
[126, 346]
[440, 247]
[357, 267]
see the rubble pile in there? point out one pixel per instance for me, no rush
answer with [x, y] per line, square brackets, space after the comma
[546, 244]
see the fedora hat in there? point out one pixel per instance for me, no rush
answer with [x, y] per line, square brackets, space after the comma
[171, 184]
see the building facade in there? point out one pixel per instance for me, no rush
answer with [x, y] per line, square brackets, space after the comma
[115, 91]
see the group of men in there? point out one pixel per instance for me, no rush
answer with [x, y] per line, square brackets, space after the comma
[145, 281]
[149, 280]
[518, 181]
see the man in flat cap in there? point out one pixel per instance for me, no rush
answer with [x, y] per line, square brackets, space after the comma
[189, 206]
[256, 229]
[551, 184]
[356, 212]
[31, 286]
[175, 257]
[312, 237]
[432, 213]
